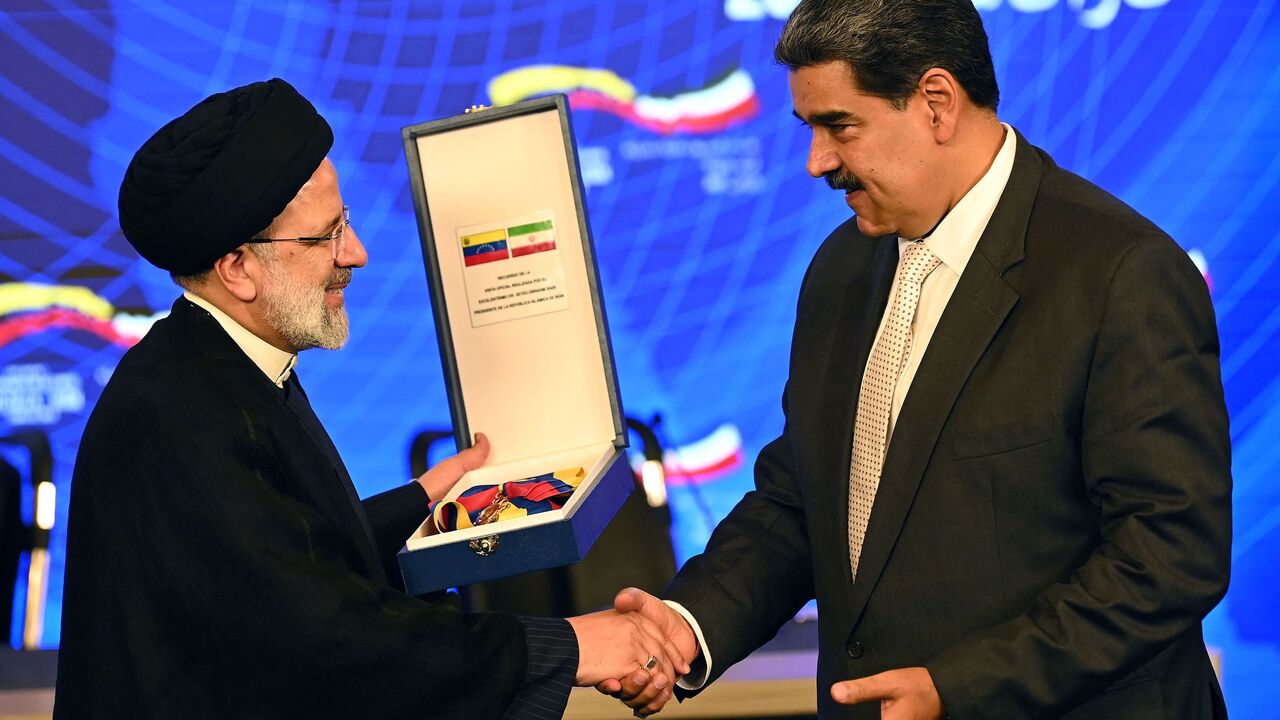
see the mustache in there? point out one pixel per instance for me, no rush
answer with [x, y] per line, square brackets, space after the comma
[841, 180]
[340, 276]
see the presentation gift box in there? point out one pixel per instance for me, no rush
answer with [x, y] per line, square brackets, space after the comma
[523, 338]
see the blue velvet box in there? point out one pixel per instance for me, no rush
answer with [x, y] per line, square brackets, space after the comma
[523, 338]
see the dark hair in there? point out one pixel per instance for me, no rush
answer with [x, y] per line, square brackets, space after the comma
[190, 281]
[889, 44]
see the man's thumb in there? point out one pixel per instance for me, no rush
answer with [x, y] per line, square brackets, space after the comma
[630, 600]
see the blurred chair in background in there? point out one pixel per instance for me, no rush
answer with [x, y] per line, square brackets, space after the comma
[17, 537]
[12, 539]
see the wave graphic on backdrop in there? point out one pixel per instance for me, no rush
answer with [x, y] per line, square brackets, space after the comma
[30, 308]
[729, 101]
[701, 461]
[1099, 14]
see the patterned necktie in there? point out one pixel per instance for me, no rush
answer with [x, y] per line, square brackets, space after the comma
[875, 401]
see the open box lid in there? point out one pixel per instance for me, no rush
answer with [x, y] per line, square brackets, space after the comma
[513, 280]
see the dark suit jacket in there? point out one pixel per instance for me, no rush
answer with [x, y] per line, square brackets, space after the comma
[1053, 518]
[217, 566]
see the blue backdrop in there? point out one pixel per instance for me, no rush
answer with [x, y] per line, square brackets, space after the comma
[703, 217]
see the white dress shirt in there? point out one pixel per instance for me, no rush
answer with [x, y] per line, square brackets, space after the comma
[275, 363]
[953, 241]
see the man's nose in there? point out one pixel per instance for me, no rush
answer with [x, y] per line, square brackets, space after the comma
[352, 252]
[822, 157]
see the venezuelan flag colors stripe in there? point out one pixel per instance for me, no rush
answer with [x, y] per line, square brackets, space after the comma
[20, 297]
[516, 85]
[718, 106]
[484, 238]
[485, 254]
[31, 308]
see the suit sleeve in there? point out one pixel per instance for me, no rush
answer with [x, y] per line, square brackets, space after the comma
[262, 584]
[1155, 455]
[394, 515]
[553, 666]
[756, 572]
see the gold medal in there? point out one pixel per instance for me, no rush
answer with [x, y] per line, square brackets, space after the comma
[494, 509]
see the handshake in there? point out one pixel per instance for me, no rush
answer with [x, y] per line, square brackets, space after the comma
[635, 652]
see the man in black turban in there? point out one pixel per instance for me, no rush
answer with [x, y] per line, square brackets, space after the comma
[219, 561]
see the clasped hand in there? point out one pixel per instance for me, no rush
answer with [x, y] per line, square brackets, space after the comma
[613, 646]
[616, 668]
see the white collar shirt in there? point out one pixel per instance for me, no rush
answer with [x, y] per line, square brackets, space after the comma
[275, 363]
[953, 242]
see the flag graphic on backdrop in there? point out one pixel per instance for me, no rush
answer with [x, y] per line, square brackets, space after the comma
[725, 103]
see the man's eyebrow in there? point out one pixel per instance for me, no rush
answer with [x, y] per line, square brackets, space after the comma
[829, 117]
[329, 228]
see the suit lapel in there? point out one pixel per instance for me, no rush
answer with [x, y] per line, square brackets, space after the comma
[862, 306]
[978, 307]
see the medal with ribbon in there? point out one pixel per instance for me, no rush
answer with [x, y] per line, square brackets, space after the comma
[485, 504]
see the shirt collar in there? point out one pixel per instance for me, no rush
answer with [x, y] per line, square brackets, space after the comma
[955, 238]
[275, 363]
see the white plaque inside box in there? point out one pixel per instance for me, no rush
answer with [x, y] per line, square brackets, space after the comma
[523, 339]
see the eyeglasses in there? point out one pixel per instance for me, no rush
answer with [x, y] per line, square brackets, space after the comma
[335, 238]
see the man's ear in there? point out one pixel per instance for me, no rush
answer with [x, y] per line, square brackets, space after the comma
[942, 95]
[241, 273]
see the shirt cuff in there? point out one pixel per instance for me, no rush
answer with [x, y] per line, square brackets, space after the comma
[700, 669]
[553, 666]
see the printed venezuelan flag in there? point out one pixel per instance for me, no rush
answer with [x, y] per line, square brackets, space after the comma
[484, 247]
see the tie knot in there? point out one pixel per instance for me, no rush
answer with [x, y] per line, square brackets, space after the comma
[918, 262]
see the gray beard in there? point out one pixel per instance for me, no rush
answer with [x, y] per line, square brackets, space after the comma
[299, 313]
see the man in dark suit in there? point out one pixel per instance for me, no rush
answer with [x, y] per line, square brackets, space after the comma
[220, 563]
[1004, 472]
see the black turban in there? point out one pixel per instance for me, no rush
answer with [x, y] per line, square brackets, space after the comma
[209, 180]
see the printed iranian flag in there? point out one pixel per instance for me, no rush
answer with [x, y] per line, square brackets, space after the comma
[531, 238]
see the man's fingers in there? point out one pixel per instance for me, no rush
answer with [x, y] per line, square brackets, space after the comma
[655, 705]
[467, 460]
[441, 478]
[634, 600]
[673, 662]
[678, 662]
[632, 684]
[643, 683]
[867, 689]
[474, 456]
[905, 692]
[638, 691]
[610, 687]
[645, 698]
